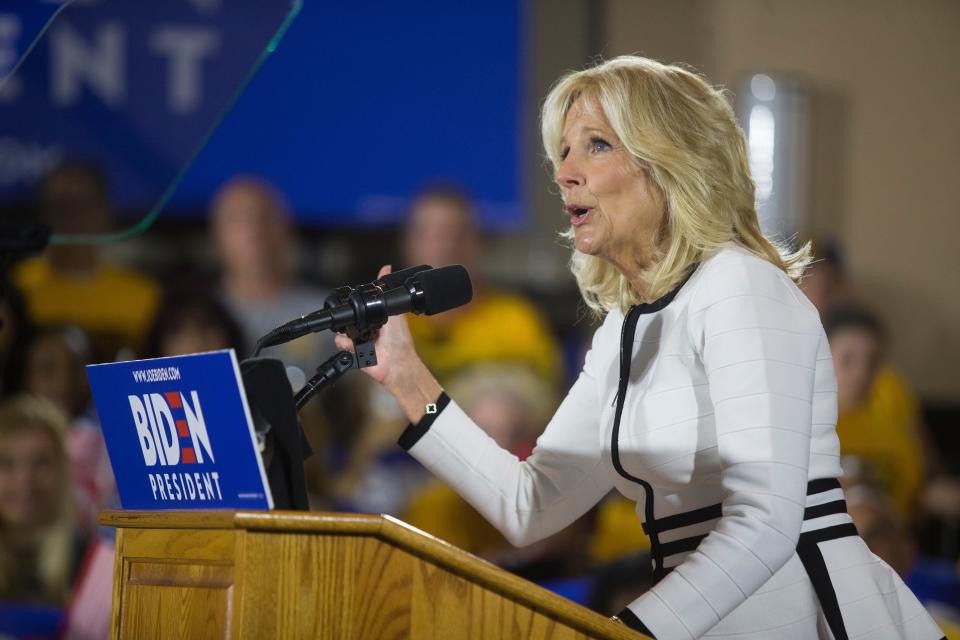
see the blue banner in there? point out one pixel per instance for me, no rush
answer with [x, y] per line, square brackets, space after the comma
[179, 433]
[358, 107]
[132, 86]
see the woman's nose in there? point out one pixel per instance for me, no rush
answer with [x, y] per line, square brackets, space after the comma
[568, 174]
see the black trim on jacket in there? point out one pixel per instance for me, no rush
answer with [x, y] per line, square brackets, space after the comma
[412, 434]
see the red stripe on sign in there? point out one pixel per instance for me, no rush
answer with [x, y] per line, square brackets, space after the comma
[182, 428]
[188, 457]
[173, 399]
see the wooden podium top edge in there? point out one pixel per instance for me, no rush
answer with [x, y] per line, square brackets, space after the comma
[232, 519]
[390, 530]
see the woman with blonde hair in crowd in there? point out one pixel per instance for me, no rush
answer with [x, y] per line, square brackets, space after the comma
[510, 403]
[40, 551]
[708, 395]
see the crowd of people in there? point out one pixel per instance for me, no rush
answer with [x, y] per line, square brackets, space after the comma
[74, 306]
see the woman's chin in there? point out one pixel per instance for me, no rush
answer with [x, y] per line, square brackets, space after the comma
[584, 243]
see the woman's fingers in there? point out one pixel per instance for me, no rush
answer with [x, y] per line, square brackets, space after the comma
[393, 344]
[343, 342]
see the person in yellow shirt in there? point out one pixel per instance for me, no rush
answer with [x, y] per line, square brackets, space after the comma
[74, 284]
[496, 326]
[878, 417]
[511, 404]
[879, 426]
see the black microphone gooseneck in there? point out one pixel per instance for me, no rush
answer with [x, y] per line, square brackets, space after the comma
[327, 373]
[359, 312]
[367, 307]
[339, 298]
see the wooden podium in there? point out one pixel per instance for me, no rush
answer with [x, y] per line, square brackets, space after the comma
[284, 574]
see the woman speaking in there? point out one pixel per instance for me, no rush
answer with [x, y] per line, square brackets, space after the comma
[708, 394]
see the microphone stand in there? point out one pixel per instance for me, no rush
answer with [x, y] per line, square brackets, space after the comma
[327, 373]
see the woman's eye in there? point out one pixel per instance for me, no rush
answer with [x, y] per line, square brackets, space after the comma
[598, 144]
[564, 153]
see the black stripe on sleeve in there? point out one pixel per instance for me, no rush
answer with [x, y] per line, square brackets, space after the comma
[630, 619]
[687, 518]
[412, 434]
[826, 509]
[828, 533]
[821, 485]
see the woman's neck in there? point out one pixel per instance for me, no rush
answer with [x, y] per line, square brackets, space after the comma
[639, 277]
[637, 266]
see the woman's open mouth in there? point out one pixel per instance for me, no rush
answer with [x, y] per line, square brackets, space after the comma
[578, 214]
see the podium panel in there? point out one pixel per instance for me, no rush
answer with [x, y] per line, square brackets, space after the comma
[274, 574]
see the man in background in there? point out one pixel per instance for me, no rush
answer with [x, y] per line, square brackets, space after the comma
[497, 326]
[75, 284]
[252, 235]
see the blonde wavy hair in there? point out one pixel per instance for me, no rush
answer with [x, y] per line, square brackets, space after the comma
[55, 543]
[683, 132]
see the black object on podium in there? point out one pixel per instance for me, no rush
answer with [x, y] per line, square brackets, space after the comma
[283, 444]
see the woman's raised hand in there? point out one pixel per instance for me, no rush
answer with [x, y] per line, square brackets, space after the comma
[399, 369]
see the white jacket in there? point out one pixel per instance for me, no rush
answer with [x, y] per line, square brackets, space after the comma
[721, 426]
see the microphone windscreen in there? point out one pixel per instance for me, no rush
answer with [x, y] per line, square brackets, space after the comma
[399, 278]
[445, 288]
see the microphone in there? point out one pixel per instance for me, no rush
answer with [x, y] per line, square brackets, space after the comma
[392, 280]
[399, 278]
[367, 308]
[341, 296]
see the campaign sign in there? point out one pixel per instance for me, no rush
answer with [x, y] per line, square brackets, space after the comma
[179, 433]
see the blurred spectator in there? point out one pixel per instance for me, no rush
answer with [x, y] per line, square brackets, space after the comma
[618, 532]
[878, 419]
[825, 281]
[880, 526]
[512, 405]
[40, 551]
[496, 326]
[872, 398]
[192, 320]
[254, 242]
[936, 583]
[15, 331]
[369, 474]
[55, 363]
[73, 283]
[251, 230]
[55, 368]
[619, 583]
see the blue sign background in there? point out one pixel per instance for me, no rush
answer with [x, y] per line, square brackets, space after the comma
[125, 121]
[358, 107]
[215, 377]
